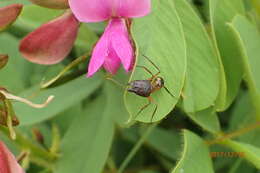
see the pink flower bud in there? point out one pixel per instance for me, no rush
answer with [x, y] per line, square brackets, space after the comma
[52, 42]
[9, 14]
[8, 163]
[55, 4]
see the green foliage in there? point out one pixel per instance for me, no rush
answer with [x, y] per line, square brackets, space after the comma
[207, 52]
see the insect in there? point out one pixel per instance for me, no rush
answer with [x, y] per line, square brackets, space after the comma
[145, 88]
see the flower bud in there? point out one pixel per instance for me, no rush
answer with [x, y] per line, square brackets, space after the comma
[55, 4]
[8, 163]
[52, 42]
[3, 60]
[9, 14]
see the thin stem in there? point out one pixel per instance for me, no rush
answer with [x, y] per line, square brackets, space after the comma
[67, 68]
[136, 148]
[37, 153]
[235, 133]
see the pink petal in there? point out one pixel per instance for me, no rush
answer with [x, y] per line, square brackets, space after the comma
[120, 42]
[52, 42]
[8, 163]
[133, 8]
[112, 61]
[9, 14]
[55, 4]
[99, 54]
[91, 10]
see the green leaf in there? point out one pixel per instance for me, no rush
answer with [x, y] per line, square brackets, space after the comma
[66, 95]
[114, 95]
[160, 37]
[243, 118]
[207, 119]
[4, 3]
[33, 16]
[221, 12]
[85, 40]
[249, 152]
[195, 157]
[14, 74]
[248, 38]
[86, 145]
[200, 90]
[165, 142]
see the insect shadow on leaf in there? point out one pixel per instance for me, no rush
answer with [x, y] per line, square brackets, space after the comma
[145, 88]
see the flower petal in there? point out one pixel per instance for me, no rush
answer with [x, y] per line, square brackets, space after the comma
[9, 14]
[112, 61]
[8, 163]
[52, 42]
[133, 8]
[121, 43]
[99, 54]
[91, 10]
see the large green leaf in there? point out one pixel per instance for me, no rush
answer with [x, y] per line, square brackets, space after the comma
[202, 77]
[195, 157]
[249, 40]
[160, 37]
[86, 145]
[14, 74]
[66, 96]
[221, 12]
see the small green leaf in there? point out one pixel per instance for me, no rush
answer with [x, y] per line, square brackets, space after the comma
[248, 38]
[200, 90]
[195, 157]
[221, 12]
[160, 37]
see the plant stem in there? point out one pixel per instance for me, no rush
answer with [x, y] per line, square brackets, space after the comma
[38, 154]
[235, 133]
[136, 148]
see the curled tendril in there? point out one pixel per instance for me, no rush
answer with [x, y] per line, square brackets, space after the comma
[23, 100]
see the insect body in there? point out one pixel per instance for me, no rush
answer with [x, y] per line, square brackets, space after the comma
[146, 87]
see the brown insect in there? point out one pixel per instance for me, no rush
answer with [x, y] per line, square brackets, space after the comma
[145, 88]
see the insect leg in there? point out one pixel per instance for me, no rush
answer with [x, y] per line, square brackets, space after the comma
[169, 92]
[116, 82]
[142, 108]
[146, 69]
[156, 106]
[153, 64]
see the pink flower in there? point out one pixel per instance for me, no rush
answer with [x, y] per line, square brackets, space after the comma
[8, 163]
[114, 46]
[9, 14]
[51, 42]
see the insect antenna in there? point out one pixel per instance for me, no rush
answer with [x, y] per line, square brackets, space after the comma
[152, 63]
[169, 92]
[116, 82]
